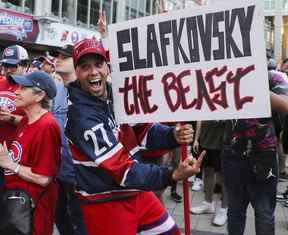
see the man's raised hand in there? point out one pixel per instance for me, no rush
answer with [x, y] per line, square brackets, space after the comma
[190, 166]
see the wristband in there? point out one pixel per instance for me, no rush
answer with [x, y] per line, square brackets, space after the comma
[17, 168]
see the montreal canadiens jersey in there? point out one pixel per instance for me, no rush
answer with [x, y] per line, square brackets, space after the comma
[105, 154]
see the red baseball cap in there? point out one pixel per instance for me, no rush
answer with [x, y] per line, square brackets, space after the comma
[87, 46]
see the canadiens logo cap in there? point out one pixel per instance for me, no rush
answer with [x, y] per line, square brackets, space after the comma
[85, 47]
[14, 55]
[38, 79]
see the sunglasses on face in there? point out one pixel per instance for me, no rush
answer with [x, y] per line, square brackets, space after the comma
[9, 66]
[23, 63]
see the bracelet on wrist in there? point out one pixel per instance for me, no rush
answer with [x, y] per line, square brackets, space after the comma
[17, 168]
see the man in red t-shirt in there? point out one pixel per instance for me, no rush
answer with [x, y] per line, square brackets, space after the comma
[14, 62]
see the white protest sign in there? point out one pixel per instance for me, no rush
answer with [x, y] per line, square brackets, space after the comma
[205, 63]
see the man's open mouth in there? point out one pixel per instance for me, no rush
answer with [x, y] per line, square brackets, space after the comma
[96, 82]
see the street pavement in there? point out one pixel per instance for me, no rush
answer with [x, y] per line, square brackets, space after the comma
[201, 224]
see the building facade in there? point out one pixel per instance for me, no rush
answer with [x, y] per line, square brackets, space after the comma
[68, 21]
[40, 24]
[61, 22]
[85, 12]
[276, 27]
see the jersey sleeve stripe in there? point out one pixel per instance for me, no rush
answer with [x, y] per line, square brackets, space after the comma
[165, 228]
[134, 150]
[124, 178]
[105, 196]
[144, 140]
[85, 163]
[111, 153]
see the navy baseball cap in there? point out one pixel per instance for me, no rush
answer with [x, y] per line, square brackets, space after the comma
[14, 55]
[66, 51]
[38, 79]
[36, 63]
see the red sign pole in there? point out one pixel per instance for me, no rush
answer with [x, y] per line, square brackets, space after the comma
[186, 194]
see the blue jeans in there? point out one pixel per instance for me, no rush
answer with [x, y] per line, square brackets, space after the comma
[243, 188]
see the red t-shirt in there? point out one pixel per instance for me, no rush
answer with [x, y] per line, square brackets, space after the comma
[7, 101]
[37, 145]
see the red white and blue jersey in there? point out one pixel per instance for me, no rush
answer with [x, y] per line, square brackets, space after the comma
[105, 154]
[7, 102]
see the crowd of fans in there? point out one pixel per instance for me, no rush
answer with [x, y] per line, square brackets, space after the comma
[88, 175]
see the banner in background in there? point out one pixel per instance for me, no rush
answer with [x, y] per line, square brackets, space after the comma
[16, 26]
[58, 34]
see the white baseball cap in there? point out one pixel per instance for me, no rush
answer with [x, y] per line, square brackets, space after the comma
[14, 55]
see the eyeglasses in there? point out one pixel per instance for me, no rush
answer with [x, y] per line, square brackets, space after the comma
[23, 63]
[9, 66]
[36, 90]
